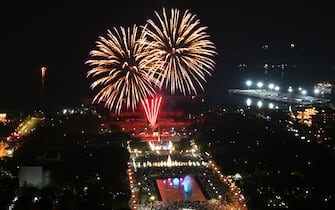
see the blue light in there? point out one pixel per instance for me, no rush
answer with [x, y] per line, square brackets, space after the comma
[176, 182]
[187, 184]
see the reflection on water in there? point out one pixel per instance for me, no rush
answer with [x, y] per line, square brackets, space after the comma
[247, 101]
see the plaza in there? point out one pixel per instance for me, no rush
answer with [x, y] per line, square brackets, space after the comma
[157, 181]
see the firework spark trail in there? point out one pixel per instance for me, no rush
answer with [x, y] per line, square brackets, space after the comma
[151, 109]
[118, 70]
[179, 52]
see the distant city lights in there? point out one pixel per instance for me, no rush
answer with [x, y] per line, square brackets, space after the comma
[248, 83]
[260, 84]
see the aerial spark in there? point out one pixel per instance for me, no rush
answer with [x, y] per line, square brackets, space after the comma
[178, 53]
[151, 109]
[118, 70]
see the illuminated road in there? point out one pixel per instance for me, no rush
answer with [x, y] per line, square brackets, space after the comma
[280, 96]
[3, 152]
[28, 125]
[25, 128]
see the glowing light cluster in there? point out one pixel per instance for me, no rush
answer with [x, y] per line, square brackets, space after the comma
[161, 146]
[174, 181]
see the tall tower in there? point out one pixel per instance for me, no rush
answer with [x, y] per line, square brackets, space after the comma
[43, 71]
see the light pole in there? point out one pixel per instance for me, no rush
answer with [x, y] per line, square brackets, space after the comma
[290, 90]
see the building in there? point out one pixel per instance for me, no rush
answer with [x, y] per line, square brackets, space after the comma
[34, 176]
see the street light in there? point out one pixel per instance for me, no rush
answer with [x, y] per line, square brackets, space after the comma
[290, 90]
[248, 83]
[316, 91]
[259, 84]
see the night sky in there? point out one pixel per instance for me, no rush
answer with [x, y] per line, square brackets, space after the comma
[61, 36]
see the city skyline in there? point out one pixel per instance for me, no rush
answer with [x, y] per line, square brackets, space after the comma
[60, 39]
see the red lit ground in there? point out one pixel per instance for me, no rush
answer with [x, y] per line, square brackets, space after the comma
[169, 192]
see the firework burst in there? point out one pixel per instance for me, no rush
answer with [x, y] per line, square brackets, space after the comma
[178, 52]
[118, 71]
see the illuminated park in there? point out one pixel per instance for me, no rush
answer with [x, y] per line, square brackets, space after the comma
[172, 53]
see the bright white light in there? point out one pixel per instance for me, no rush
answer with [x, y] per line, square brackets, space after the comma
[271, 106]
[304, 92]
[259, 104]
[290, 89]
[271, 86]
[35, 199]
[248, 102]
[260, 84]
[248, 83]
[277, 88]
[9, 151]
[15, 199]
[316, 91]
